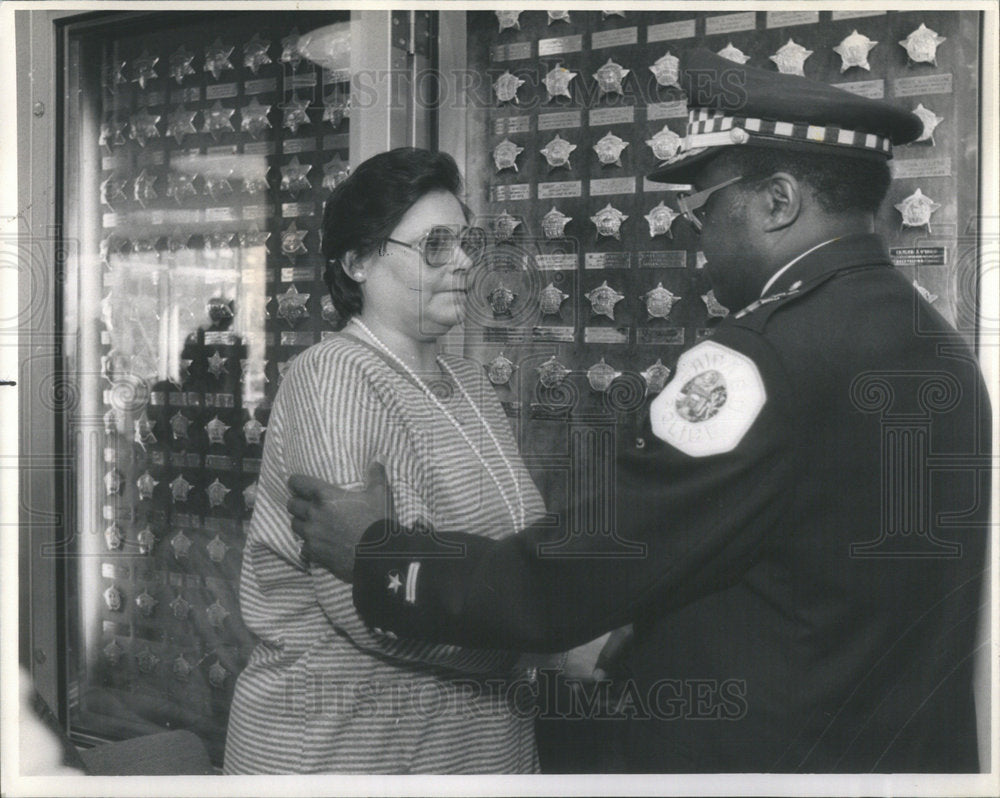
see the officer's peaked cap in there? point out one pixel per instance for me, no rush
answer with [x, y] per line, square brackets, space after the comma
[731, 105]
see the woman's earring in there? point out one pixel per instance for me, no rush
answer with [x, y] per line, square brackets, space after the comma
[359, 276]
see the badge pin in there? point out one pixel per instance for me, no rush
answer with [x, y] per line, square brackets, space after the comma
[557, 152]
[603, 300]
[505, 155]
[916, 210]
[732, 53]
[554, 223]
[601, 375]
[557, 82]
[791, 57]
[656, 376]
[853, 51]
[609, 78]
[551, 373]
[500, 369]
[666, 70]
[550, 300]
[660, 219]
[921, 45]
[608, 221]
[659, 302]
[395, 582]
[609, 149]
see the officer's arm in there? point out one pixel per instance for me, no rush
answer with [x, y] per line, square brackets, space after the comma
[692, 514]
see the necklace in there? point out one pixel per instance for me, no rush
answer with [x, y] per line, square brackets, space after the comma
[518, 518]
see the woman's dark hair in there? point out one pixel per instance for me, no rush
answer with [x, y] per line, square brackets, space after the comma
[364, 210]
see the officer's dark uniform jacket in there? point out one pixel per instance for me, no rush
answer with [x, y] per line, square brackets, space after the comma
[807, 599]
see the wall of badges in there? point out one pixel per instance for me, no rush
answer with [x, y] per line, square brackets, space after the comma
[214, 147]
[597, 286]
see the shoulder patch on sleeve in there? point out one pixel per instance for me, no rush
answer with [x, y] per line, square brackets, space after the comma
[714, 398]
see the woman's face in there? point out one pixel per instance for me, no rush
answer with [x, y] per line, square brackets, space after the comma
[402, 291]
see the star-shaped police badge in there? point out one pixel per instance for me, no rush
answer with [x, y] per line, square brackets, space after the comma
[216, 429]
[665, 144]
[504, 226]
[179, 489]
[114, 599]
[180, 185]
[217, 58]
[217, 364]
[146, 602]
[603, 300]
[558, 16]
[554, 223]
[557, 82]
[217, 614]
[505, 155]
[142, 127]
[608, 221]
[114, 538]
[147, 661]
[715, 308]
[293, 176]
[853, 51]
[609, 78]
[181, 544]
[292, 241]
[666, 70]
[179, 425]
[500, 369]
[146, 484]
[930, 119]
[557, 152]
[916, 210]
[609, 149]
[659, 302]
[180, 64]
[217, 675]
[217, 493]
[144, 71]
[180, 607]
[508, 19]
[146, 540]
[218, 120]
[551, 373]
[791, 58]
[292, 305]
[295, 113]
[921, 45]
[660, 220]
[505, 87]
[733, 53]
[216, 549]
[601, 375]
[655, 376]
[253, 430]
[253, 118]
[501, 300]
[180, 123]
[255, 53]
[550, 300]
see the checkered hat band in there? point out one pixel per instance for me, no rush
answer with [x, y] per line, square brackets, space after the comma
[702, 123]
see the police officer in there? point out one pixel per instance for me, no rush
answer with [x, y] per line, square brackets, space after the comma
[808, 589]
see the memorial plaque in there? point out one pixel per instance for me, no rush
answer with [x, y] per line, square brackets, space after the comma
[614, 38]
[731, 23]
[221, 91]
[192, 95]
[259, 148]
[289, 338]
[612, 185]
[786, 19]
[298, 274]
[562, 119]
[291, 146]
[835, 15]
[293, 210]
[923, 84]
[554, 334]
[919, 256]
[150, 158]
[564, 44]
[109, 220]
[670, 336]
[260, 86]
[251, 465]
[219, 462]
[511, 124]
[669, 31]
[605, 335]
[920, 167]
[516, 51]
[873, 89]
[513, 192]
[563, 188]
[336, 141]
[221, 214]
[257, 212]
[561, 260]
[607, 260]
[504, 335]
[610, 116]
[673, 110]
[670, 259]
[302, 80]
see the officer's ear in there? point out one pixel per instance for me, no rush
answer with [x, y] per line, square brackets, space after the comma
[783, 201]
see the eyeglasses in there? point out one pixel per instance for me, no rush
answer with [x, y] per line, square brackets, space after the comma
[689, 203]
[438, 245]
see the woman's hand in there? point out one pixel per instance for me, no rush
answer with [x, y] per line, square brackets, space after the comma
[331, 520]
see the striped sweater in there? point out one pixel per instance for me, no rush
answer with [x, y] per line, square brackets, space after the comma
[322, 692]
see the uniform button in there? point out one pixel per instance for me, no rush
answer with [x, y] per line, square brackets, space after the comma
[640, 443]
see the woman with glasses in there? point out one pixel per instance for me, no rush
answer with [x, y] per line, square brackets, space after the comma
[321, 692]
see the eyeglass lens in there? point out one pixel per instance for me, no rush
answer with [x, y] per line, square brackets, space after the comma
[439, 246]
